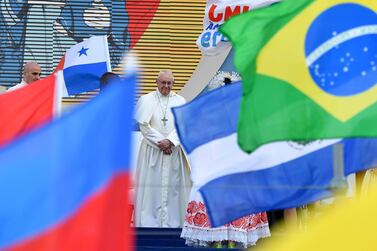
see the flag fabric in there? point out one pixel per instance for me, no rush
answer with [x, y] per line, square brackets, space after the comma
[27, 108]
[84, 63]
[276, 176]
[309, 70]
[64, 186]
[349, 225]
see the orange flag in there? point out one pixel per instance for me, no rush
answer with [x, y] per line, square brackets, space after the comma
[26, 108]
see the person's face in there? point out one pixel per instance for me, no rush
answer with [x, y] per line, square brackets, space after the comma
[165, 83]
[32, 73]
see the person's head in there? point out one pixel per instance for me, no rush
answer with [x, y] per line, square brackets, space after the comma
[107, 78]
[31, 72]
[165, 81]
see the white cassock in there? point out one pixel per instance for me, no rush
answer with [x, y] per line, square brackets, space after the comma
[162, 181]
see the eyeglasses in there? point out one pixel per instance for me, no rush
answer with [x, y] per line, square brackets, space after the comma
[168, 83]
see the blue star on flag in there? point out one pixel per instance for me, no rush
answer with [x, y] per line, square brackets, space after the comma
[83, 51]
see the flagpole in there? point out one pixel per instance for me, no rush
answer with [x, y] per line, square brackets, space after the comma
[338, 183]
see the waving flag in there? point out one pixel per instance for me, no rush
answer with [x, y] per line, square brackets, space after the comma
[275, 176]
[337, 228]
[64, 186]
[27, 108]
[309, 70]
[84, 64]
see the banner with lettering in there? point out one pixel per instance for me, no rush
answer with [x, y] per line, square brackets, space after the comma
[211, 41]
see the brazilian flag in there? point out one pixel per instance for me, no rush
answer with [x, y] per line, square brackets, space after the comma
[309, 70]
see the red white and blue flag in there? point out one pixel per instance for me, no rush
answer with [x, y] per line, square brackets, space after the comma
[64, 185]
[83, 65]
[27, 108]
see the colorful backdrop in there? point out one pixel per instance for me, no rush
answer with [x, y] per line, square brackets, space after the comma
[161, 32]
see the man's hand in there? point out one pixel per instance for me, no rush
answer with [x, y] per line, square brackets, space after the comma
[168, 151]
[165, 145]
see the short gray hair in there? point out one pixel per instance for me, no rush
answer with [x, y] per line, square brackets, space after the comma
[169, 72]
[27, 64]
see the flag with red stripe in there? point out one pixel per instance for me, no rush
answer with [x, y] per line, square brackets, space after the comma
[65, 185]
[26, 108]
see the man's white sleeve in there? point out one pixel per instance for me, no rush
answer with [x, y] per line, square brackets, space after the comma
[151, 134]
[173, 137]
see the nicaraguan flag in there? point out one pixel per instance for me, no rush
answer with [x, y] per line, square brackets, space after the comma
[277, 175]
[84, 64]
[64, 186]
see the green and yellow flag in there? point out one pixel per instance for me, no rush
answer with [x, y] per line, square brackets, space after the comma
[309, 70]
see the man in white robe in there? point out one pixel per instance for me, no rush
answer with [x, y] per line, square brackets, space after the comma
[162, 176]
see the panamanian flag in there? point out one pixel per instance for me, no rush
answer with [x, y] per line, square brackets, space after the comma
[84, 64]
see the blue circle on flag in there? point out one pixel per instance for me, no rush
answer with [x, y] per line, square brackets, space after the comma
[341, 49]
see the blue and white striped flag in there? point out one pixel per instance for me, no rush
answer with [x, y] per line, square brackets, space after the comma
[84, 64]
[277, 175]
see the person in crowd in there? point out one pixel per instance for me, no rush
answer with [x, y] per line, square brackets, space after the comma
[31, 72]
[240, 233]
[107, 78]
[162, 174]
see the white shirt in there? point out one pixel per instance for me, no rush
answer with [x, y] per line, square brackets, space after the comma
[17, 86]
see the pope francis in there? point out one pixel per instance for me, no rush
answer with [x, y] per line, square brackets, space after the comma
[162, 175]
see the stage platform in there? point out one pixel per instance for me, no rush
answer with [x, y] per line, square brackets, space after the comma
[161, 239]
